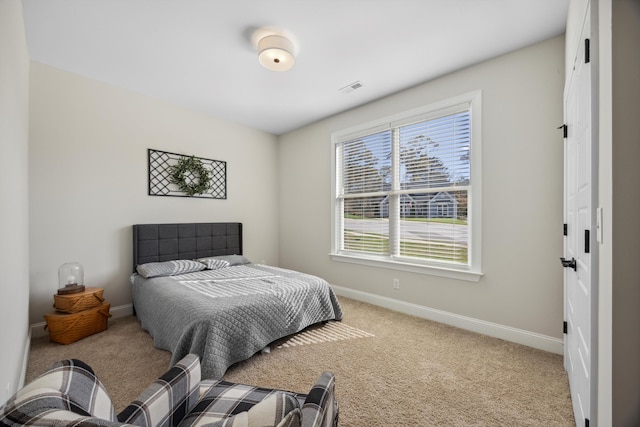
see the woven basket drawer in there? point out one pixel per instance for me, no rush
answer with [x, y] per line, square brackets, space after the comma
[74, 303]
[68, 328]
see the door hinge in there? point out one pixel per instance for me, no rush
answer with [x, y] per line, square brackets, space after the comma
[586, 422]
[569, 263]
[564, 230]
[564, 130]
[587, 51]
[565, 327]
[587, 242]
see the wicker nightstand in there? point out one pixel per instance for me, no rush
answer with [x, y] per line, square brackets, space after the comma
[77, 316]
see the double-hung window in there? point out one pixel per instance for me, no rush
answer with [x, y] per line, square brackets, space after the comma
[406, 190]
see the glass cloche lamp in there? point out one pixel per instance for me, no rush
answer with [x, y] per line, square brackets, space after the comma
[70, 278]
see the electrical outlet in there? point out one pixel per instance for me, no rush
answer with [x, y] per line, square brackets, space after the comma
[396, 284]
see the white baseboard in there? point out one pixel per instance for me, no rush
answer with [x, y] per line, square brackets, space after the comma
[519, 336]
[121, 311]
[38, 331]
[25, 361]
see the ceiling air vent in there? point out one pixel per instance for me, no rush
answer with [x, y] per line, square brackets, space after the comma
[350, 88]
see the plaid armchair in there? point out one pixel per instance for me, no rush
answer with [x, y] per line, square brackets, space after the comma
[70, 394]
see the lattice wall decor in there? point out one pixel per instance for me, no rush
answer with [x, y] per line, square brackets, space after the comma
[160, 180]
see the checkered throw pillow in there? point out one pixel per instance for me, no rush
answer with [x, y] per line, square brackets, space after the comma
[278, 409]
[165, 402]
[69, 393]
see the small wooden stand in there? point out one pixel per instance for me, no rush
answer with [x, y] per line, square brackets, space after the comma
[78, 315]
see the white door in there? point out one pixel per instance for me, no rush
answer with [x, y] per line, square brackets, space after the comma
[579, 279]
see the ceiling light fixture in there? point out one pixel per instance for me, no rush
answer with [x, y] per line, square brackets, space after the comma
[276, 52]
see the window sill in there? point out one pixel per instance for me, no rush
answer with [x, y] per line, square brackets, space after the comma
[451, 273]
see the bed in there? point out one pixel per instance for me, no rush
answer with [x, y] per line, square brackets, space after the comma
[228, 310]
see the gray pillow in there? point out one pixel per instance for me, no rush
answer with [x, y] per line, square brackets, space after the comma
[231, 259]
[169, 268]
[213, 263]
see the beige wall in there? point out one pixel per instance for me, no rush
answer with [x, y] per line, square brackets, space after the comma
[14, 193]
[522, 195]
[88, 180]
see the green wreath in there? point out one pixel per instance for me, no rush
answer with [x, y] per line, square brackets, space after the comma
[186, 166]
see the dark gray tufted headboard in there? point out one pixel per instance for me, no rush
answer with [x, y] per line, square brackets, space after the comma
[165, 242]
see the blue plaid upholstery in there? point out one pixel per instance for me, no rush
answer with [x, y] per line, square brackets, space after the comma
[68, 394]
[320, 408]
[168, 399]
[221, 400]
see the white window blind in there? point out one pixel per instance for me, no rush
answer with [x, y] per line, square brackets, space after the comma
[366, 169]
[403, 190]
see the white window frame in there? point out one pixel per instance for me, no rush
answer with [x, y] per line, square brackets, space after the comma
[471, 272]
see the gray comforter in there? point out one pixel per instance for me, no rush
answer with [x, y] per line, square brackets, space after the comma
[227, 315]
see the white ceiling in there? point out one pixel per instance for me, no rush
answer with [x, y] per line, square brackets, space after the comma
[198, 53]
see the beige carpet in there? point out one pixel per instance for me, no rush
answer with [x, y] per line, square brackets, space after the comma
[409, 372]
